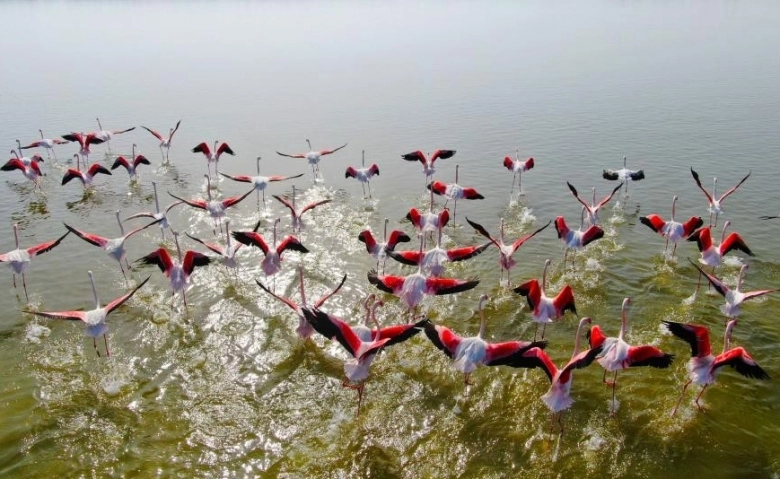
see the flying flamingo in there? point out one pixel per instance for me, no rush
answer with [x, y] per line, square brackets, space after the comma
[558, 398]
[413, 287]
[433, 260]
[215, 208]
[379, 250]
[19, 259]
[165, 142]
[454, 191]
[734, 297]
[505, 251]
[94, 319]
[517, 167]
[114, 247]
[47, 143]
[427, 162]
[25, 159]
[543, 308]
[297, 222]
[158, 215]
[624, 174]
[712, 255]
[259, 182]
[703, 366]
[107, 135]
[363, 174]
[177, 272]
[31, 171]
[713, 199]
[576, 239]
[471, 352]
[304, 328]
[131, 167]
[672, 230]
[313, 157]
[617, 355]
[429, 221]
[84, 141]
[272, 262]
[86, 178]
[227, 253]
[213, 157]
[593, 208]
[363, 352]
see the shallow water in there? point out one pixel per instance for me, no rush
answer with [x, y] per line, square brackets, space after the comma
[226, 388]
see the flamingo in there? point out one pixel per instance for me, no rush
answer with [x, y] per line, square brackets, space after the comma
[558, 397]
[363, 174]
[703, 366]
[131, 167]
[165, 142]
[25, 159]
[213, 157]
[617, 355]
[505, 251]
[259, 182]
[47, 143]
[313, 157]
[297, 222]
[31, 171]
[107, 135]
[429, 221]
[576, 239]
[413, 287]
[433, 260]
[379, 250]
[158, 215]
[712, 255]
[177, 272]
[734, 297]
[543, 308]
[517, 167]
[84, 141]
[454, 191]
[363, 352]
[19, 259]
[672, 230]
[624, 174]
[215, 208]
[304, 328]
[714, 200]
[227, 253]
[468, 353]
[272, 262]
[593, 208]
[94, 319]
[86, 178]
[114, 247]
[427, 162]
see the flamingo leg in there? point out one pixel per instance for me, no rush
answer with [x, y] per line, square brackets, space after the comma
[94, 345]
[674, 249]
[614, 384]
[466, 377]
[121, 268]
[544, 328]
[511, 192]
[454, 212]
[357, 387]
[105, 341]
[24, 283]
[14, 280]
[369, 191]
[519, 182]
[536, 329]
[674, 411]
[560, 422]
[699, 397]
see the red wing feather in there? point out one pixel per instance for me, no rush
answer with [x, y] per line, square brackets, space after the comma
[45, 247]
[251, 238]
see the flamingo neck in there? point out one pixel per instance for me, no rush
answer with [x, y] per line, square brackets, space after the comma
[367, 304]
[387, 220]
[100, 127]
[582, 218]
[94, 289]
[741, 277]
[482, 321]
[714, 188]
[16, 235]
[41, 132]
[293, 197]
[309, 143]
[178, 248]
[258, 166]
[578, 338]
[156, 200]
[132, 159]
[363, 158]
[303, 291]
[121, 228]
[227, 232]
[624, 161]
[501, 229]
[373, 314]
[593, 203]
[544, 275]
[727, 336]
[275, 223]
[16, 155]
[674, 207]
[623, 321]
[431, 200]
[208, 186]
[457, 167]
[723, 234]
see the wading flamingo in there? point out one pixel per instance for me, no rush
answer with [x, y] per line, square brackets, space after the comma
[107, 135]
[217, 209]
[165, 142]
[86, 178]
[455, 192]
[48, 143]
[259, 183]
[713, 198]
[157, 215]
[518, 167]
[734, 297]
[427, 162]
[295, 213]
[132, 165]
[313, 157]
[546, 309]
[624, 174]
[363, 174]
[84, 142]
[672, 230]
[213, 157]
[272, 263]
[19, 259]
[433, 260]
[593, 208]
[379, 250]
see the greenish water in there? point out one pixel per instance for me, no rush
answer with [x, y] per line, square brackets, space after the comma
[227, 389]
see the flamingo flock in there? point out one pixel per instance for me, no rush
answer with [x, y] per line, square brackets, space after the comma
[415, 289]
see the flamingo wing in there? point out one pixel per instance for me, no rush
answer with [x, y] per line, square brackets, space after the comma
[636, 175]
[156, 134]
[440, 286]
[481, 230]
[411, 258]
[67, 315]
[607, 199]
[141, 160]
[443, 154]
[696, 335]
[592, 234]
[735, 241]
[583, 359]
[96, 168]
[44, 247]
[532, 292]
[298, 155]
[350, 173]
[438, 187]
[224, 148]
[415, 217]
[740, 360]
[291, 243]
[698, 183]
[89, 238]
[564, 301]
[283, 178]
[732, 190]
[228, 202]
[610, 175]
[194, 203]
[649, 356]
[120, 161]
[460, 254]
[334, 150]
[202, 148]
[311, 206]
[654, 222]
[719, 285]
[322, 300]
[400, 333]
[537, 358]
[388, 284]
[70, 174]
[702, 237]
[443, 338]
[193, 259]
[293, 305]
[121, 300]
[13, 164]
[286, 203]
[175, 129]
[577, 196]
[755, 294]
[251, 238]
[333, 328]
[520, 241]
[415, 156]
[141, 228]
[159, 257]
[241, 178]
[690, 226]
[510, 353]
[596, 337]
[213, 247]
[509, 163]
[73, 136]
[396, 236]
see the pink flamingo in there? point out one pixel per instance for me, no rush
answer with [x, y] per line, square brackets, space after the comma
[712, 255]
[313, 157]
[672, 230]
[131, 167]
[429, 221]
[734, 297]
[543, 308]
[624, 174]
[295, 213]
[576, 239]
[260, 183]
[84, 142]
[19, 258]
[228, 252]
[433, 260]
[427, 162]
[593, 208]
[165, 141]
[86, 178]
[213, 157]
[47, 143]
[107, 135]
[468, 353]
[455, 192]
[505, 251]
[379, 250]
[94, 319]
[161, 215]
[31, 171]
[712, 198]
[363, 174]
[703, 366]
[217, 209]
[272, 263]
[518, 167]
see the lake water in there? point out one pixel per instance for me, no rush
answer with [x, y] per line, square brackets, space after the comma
[227, 389]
